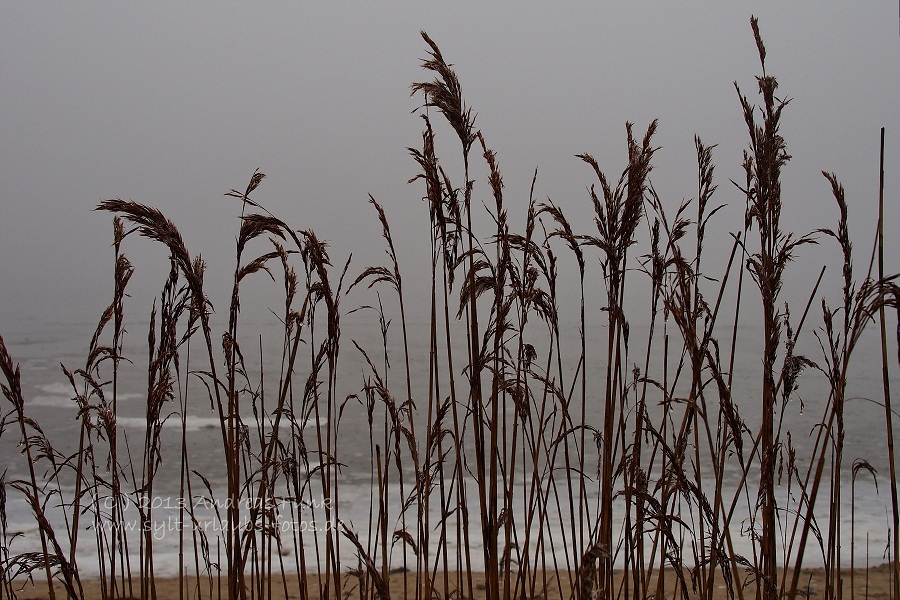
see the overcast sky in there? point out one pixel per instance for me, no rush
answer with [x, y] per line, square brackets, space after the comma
[173, 104]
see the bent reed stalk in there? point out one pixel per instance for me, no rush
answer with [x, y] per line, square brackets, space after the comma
[558, 467]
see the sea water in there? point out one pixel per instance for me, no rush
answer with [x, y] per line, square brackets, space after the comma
[41, 348]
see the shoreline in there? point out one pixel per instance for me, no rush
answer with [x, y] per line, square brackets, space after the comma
[874, 582]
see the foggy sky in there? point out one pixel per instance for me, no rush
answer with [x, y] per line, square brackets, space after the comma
[173, 104]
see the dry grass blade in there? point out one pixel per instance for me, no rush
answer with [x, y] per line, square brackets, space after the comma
[382, 591]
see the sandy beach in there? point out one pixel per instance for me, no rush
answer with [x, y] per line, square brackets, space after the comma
[874, 583]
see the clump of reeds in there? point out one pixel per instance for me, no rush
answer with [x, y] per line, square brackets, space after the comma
[561, 473]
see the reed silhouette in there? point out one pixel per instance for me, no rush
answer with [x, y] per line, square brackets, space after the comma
[599, 478]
